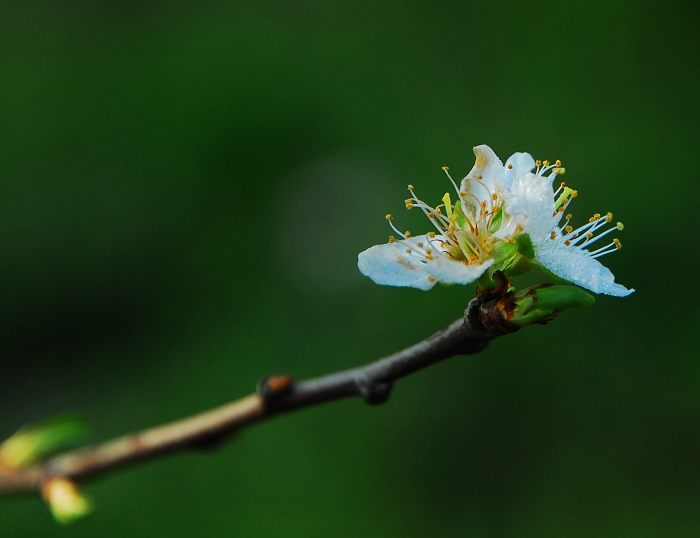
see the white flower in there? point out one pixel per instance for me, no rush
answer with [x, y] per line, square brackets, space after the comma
[532, 203]
[462, 247]
[495, 204]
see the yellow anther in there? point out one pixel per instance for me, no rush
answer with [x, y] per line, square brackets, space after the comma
[429, 257]
[437, 210]
[445, 168]
[431, 235]
[428, 251]
[391, 239]
[410, 187]
[567, 243]
[430, 215]
[388, 216]
[553, 236]
[569, 229]
[546, 163]
[561, 209]
[560, 170]
[620, 226]
[538, 163]
[420, 245]
[510, 167]
[494, 197]
[589, 235]
[592, 219]
[608, 217]
[574, 194]
[407, 234]
[518, 229]
[462, 194]
[409, 251]
[558, 163]
[478, 176]
[409, 204]
[563, 185]
[596, 216]
[431, 279]
[569, 216]
[618, 245]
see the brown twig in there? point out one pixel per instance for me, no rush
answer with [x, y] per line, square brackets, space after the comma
[373, 382]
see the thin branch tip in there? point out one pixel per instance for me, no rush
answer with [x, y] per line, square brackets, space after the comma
[483, 321]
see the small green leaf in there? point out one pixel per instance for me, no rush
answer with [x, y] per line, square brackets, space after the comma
[37, 441]
[67, 504]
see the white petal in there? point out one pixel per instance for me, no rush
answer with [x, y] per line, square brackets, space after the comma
[530, 202]
[388, 265]
[450, 271]
[578, 267]
[490, 168]
[518, 165]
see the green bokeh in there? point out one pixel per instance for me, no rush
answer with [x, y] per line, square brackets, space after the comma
[184, 191]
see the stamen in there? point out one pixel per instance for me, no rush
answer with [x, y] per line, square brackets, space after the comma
[451, 180]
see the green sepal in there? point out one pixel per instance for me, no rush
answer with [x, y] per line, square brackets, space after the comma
[496, 221]
[509, 260]
[461, 218]
[525, 247]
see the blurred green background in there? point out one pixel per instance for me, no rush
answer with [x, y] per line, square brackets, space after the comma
[183, 193]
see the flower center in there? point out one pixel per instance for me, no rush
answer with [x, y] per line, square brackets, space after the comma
[464, 228]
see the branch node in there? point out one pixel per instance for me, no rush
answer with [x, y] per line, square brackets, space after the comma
[273, 387]
[373, 392]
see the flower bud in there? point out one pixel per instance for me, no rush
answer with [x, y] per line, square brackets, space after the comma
[541, 303]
